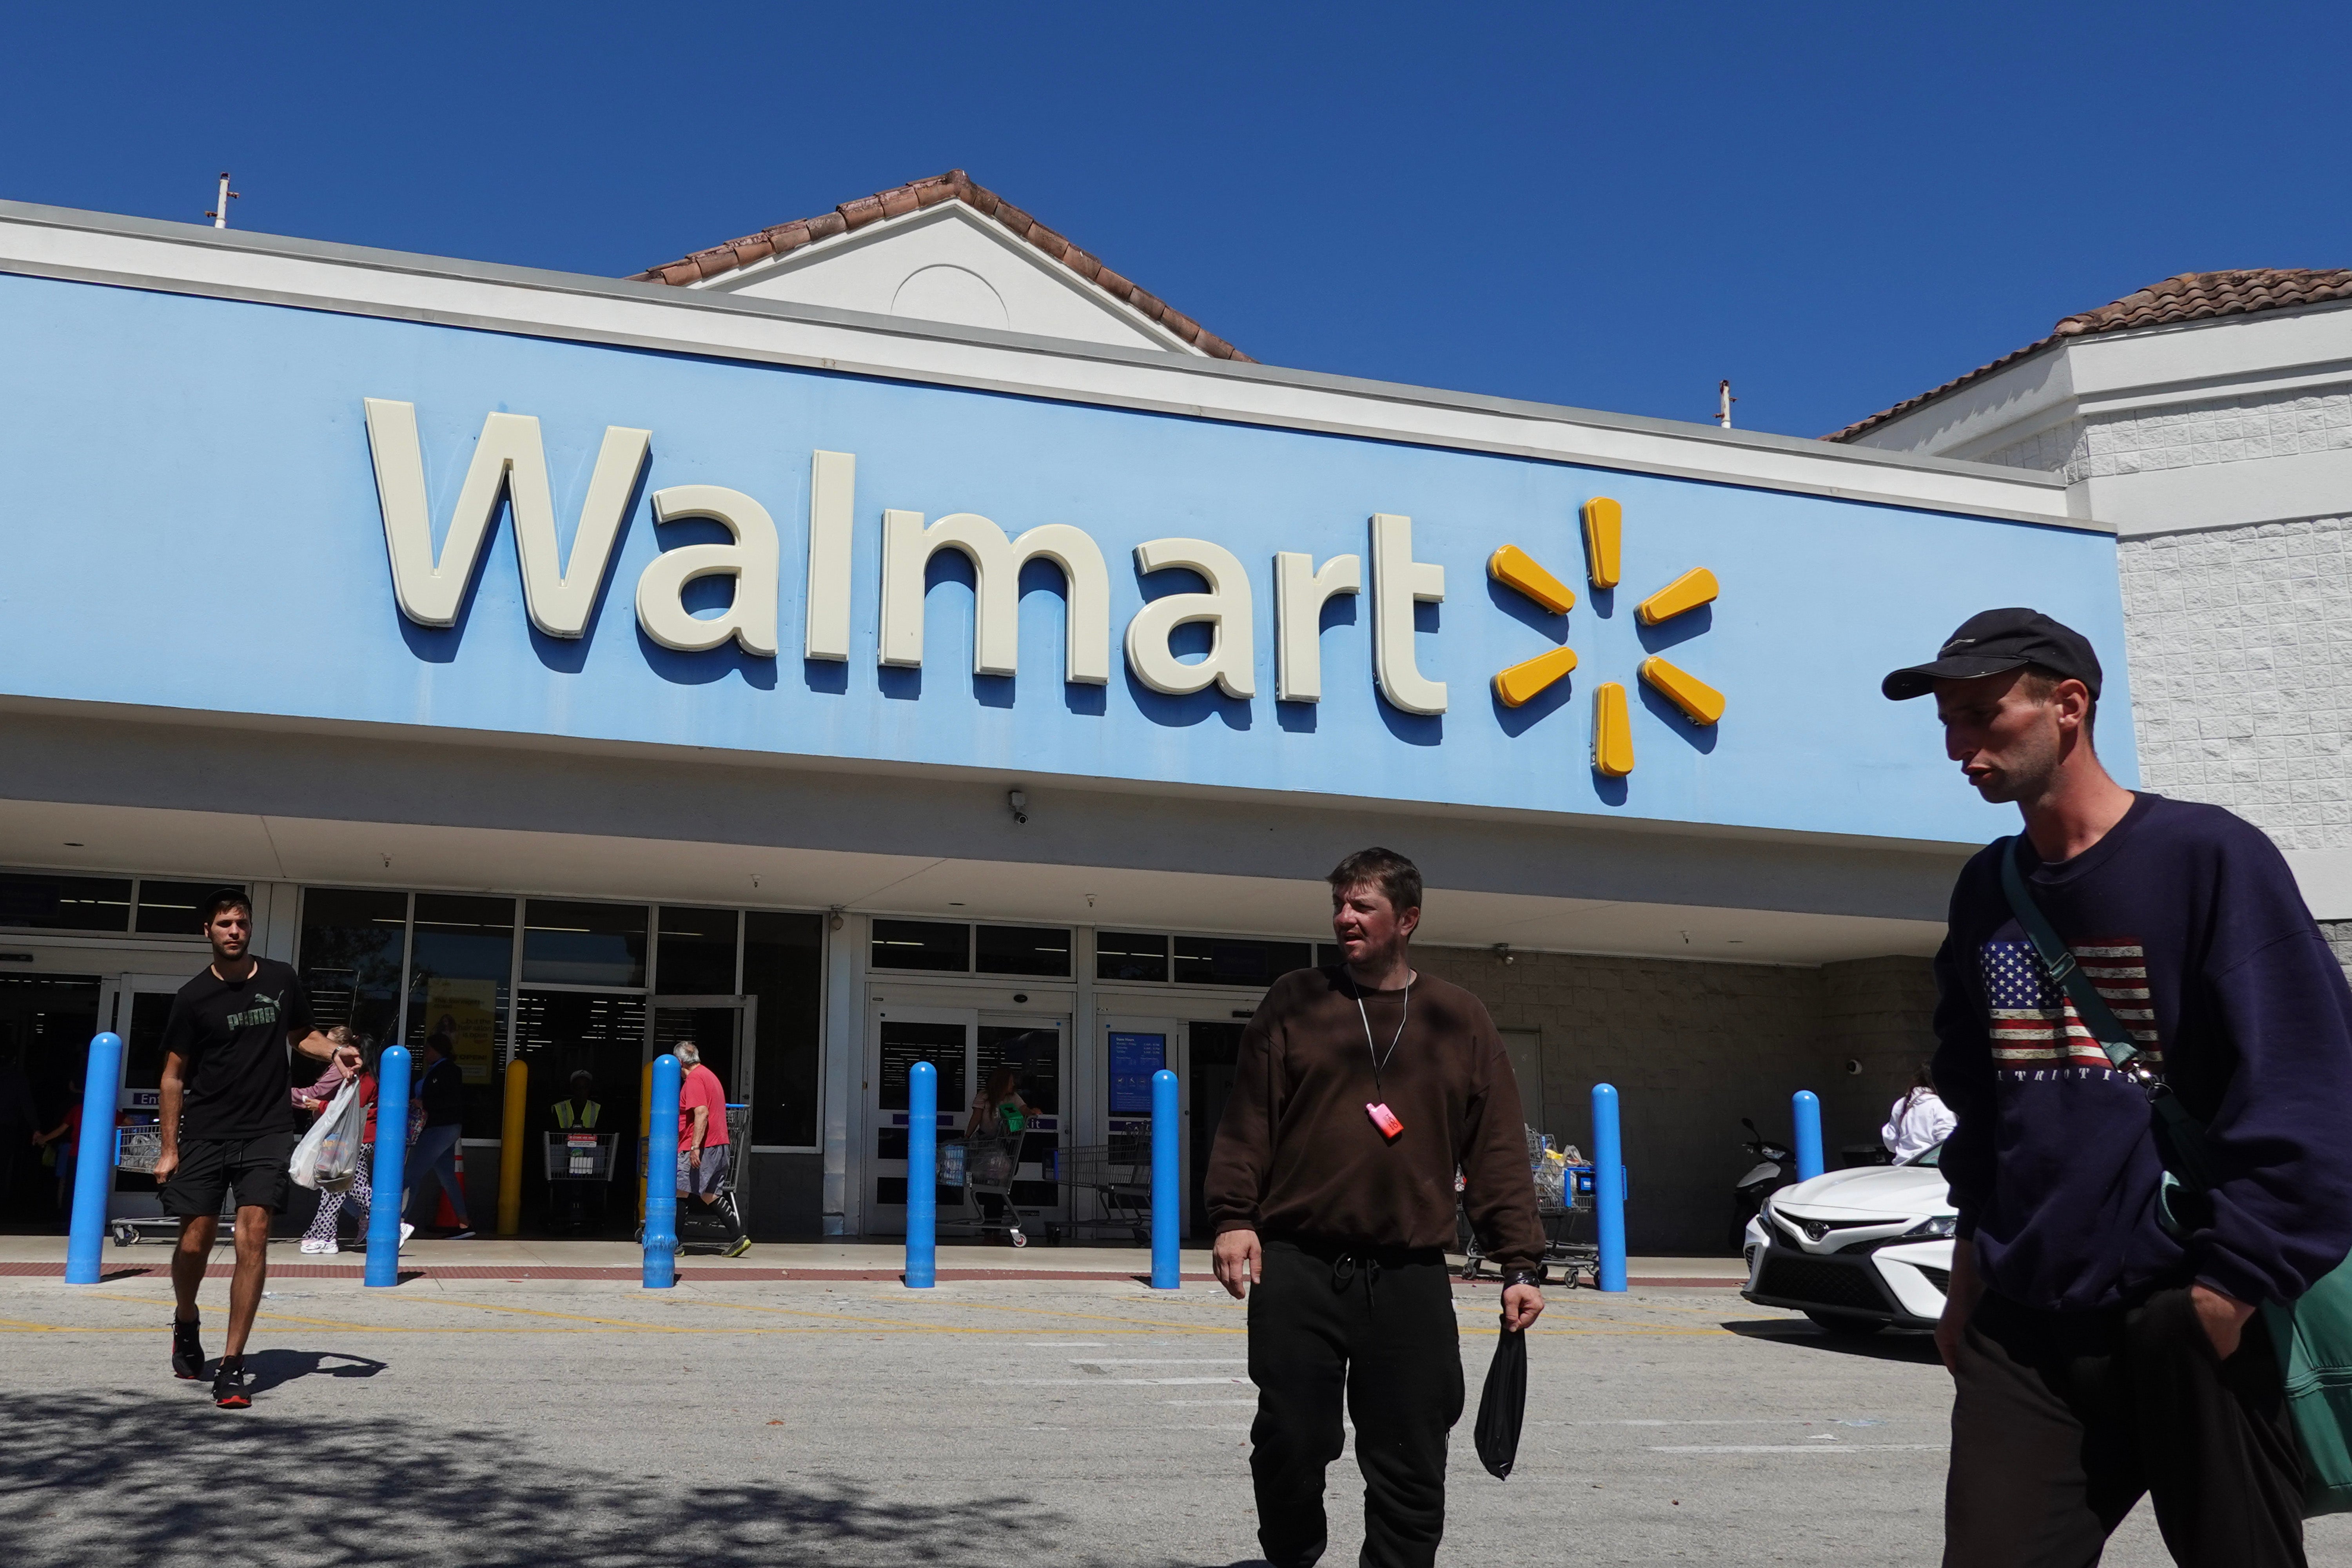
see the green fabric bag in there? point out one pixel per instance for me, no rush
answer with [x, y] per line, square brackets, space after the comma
[2311, 1334]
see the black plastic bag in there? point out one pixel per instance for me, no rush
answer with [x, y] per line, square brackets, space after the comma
[1503, 1407]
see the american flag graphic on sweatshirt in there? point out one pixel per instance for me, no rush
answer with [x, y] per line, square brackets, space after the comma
[2033, 1025]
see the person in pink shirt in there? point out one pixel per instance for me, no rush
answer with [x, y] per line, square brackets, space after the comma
[702, 1146]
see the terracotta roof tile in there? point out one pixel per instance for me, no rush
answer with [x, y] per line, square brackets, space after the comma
[783, 238]
[2187, 297]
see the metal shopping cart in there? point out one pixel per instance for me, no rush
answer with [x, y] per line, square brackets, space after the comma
[694, 1228]
[983, 1165]
[1563, 1183]
[137, 1148]
[578, 1178]
[1119, 1174]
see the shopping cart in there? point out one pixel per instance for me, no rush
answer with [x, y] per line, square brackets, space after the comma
[696, 1228]
[1119, 1173]
[137, 1148]
[1563, 1183]
[983, 1165]
[578, 1178]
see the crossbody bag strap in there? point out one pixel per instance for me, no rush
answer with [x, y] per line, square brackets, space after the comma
[2184, 1140]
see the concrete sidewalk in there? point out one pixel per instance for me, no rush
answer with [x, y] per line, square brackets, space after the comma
[519, 1259]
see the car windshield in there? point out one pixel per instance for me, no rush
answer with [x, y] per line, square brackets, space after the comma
[1927, 1156]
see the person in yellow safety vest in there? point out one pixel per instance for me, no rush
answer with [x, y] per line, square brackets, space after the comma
[579, 1113]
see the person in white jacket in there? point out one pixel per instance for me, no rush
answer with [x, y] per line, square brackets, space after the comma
[1920, 1120]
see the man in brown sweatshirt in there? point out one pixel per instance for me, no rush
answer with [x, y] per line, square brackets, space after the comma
[1361, 1088]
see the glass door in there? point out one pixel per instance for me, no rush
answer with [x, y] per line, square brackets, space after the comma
[899, 1038]
[1133, 1049]
[1029, 1049]
[136, 1007]
[722, 1028]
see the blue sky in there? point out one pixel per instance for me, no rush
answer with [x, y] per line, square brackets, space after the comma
[1837, 206]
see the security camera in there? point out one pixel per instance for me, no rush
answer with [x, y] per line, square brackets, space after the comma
[1020, 805]
[1852, 1065]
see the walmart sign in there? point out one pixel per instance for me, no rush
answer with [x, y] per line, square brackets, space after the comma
[509, 467]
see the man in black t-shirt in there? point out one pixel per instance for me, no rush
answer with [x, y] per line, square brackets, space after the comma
[229, 1122]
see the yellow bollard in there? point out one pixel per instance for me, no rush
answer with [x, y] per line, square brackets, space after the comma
[510, 1149]
[644, 1134]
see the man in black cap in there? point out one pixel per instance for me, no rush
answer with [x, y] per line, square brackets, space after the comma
[2102, 1331]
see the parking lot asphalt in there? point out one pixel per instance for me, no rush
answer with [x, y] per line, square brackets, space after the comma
[1032, 1422]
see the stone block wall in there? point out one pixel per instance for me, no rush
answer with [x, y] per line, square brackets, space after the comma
[1693, 1048]
[2239, 640]
[2188, 434]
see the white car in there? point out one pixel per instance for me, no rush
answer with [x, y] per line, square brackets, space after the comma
[1857, 1250]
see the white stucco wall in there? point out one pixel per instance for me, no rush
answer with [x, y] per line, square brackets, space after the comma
[2239, 641]
[2203, 444]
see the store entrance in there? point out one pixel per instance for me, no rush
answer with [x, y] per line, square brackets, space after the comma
[46, 1023]
[561, 1032]
[974, 1049]
[722, 1029]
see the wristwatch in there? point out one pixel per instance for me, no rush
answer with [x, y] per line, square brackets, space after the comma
[1520, 1276]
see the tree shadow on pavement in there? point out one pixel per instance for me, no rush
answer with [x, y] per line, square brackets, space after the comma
[1872, 1347]
[114, 1478]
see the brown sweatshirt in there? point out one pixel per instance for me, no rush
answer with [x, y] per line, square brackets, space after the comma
[1298, 1156]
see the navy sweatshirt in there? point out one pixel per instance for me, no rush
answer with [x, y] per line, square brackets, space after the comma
[2190, 923]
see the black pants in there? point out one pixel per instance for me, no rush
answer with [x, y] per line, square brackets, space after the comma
[2060, 1422]
[1380, 1326]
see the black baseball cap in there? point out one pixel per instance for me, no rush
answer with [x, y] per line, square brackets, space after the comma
[1992, 641]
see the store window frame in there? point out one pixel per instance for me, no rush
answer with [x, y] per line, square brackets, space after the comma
[1319, 950]
[516, 983]
[129, 931]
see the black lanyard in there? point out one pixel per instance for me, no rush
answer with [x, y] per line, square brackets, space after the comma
[1380, 1062]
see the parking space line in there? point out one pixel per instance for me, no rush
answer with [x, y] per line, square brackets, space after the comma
[1807, 1449]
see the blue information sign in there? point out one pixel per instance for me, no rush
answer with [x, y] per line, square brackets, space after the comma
[1133, 1059]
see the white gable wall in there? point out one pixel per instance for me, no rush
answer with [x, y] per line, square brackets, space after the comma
[2222, 453]
[950, 264]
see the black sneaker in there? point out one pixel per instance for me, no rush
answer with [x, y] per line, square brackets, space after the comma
[460, 1234]
[228, 1384]
[187, 1351]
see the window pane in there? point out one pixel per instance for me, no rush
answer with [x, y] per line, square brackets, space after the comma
[783, 967]
[1128, 955]
[922, 944]
[1023, 950]
[65, 903]
[697, 957]
[1224, 961]
[1328, 953]
[584, 945]
[349, 957]
[457, 981]
[176, 908]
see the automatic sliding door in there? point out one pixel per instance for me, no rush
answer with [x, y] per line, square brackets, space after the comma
[901, 1036]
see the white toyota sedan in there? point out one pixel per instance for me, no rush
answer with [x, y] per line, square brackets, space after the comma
[1856, 1250]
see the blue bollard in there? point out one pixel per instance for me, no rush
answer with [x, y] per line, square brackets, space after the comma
[922, 1176]
[1807, 1109]
[1609, 1187]
[1167, 1185]
[94, 1160]
[661, 1177]
[390, 1173]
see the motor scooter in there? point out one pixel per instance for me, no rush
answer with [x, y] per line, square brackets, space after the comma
[1774, 1168]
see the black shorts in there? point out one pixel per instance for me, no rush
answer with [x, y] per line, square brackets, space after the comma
[209, 1167]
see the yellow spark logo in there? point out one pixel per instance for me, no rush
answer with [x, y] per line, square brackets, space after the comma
[1612, 730]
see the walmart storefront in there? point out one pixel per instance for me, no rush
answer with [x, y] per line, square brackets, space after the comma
[570, 667]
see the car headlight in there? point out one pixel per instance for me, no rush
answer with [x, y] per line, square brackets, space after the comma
[1934, 1229]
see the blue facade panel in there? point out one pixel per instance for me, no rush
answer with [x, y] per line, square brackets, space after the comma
[192, 521]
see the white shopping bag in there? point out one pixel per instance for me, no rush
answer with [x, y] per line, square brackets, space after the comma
[329, 1156]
